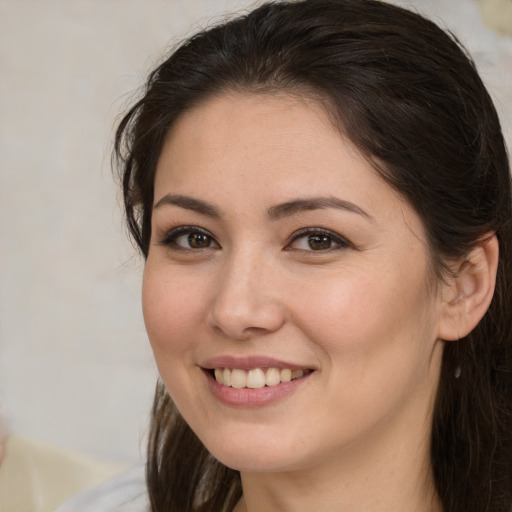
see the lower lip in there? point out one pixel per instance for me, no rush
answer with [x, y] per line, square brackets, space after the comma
[247, 397]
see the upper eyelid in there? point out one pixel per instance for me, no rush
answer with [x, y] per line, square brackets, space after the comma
[312, 230]
[166, 237]
[177, 231]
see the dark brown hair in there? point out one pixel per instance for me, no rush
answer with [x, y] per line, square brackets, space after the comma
[408, 95]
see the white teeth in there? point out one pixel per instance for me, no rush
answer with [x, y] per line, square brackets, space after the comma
[272, 377]
[238, 379]
[297, 374]
[286, 375]
[226, 377]
[219, 375]
[256, 378]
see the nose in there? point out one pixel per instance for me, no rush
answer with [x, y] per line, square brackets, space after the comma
[246, 303]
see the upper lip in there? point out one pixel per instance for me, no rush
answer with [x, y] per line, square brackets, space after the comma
[250, 362]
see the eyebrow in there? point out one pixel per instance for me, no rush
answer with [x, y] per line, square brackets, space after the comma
[314, 203]
[189, 203]
[276, 212]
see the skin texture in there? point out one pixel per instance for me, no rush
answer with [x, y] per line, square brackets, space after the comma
[363, 313]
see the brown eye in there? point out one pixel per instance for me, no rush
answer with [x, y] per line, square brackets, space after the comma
[189, 238]
[199, 240]
[319, 242]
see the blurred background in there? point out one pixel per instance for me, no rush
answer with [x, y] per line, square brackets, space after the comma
[76, 369]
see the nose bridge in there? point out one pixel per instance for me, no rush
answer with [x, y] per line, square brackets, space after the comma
[246, 300]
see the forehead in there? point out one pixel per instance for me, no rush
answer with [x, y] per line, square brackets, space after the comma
[245, 133]
[240, 149]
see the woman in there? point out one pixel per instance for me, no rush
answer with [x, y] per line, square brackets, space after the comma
[322, 194]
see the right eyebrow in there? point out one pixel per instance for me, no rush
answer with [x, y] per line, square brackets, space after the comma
[300, 205]
[188, 203]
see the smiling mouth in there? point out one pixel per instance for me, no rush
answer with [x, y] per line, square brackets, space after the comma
[256, 378]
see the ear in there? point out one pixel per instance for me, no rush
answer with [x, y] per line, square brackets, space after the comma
[468, 293]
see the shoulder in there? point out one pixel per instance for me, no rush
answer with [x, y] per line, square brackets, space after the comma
[126, 492]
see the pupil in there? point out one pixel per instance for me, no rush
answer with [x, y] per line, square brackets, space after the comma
[318, 242]
[198, 240]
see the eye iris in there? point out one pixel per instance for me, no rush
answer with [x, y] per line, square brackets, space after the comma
[319, 242]
[198, 240]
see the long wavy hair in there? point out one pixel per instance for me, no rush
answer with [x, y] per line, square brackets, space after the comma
[407, 94]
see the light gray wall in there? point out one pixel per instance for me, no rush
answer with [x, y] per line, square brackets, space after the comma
[75, 365]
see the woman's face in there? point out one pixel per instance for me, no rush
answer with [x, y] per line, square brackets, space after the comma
[278, 253]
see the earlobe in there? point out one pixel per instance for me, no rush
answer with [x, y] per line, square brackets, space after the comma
[468, 294]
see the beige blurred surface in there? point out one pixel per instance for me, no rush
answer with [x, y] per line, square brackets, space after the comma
[497, 14]
[75, 365]
[37, 477]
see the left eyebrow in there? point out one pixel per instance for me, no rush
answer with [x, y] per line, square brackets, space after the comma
[188, 203]
[314, 203]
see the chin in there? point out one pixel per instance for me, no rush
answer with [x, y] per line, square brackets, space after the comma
[257, 463]
[273, 454]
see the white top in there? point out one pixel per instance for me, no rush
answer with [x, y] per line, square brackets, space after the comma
[126, 492]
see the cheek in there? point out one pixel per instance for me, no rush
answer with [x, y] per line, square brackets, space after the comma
[365, 317]
[376, 343]
[171, 308]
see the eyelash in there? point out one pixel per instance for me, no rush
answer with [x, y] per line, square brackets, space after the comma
[309, 233]
[170, 239]
[172, 236]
